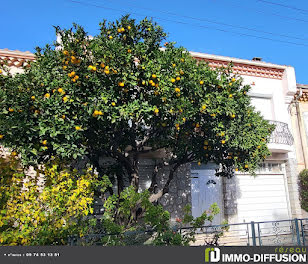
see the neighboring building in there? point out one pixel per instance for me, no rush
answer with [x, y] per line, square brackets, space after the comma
[273, 193]
[15, 59]
[299, 115]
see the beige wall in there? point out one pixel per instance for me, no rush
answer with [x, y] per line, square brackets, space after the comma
[300, 138]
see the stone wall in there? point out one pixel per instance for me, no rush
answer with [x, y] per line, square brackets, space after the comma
[292, 181]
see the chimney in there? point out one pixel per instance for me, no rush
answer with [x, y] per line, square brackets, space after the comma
[257, 59]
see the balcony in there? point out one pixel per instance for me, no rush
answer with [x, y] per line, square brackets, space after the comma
[281, 140]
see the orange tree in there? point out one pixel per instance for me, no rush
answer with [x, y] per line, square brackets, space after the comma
[119, 95]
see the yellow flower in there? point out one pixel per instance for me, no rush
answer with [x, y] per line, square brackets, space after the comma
[77, 128]
[47, 95]
[201, 82]
[177, 90]
[178, 78]
[113, 103]
[33, 97]
[1, 136]
[121, 84]
[172, 80]
[44, 142]
[72, 74]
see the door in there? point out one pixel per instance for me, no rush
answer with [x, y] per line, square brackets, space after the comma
[206, 189]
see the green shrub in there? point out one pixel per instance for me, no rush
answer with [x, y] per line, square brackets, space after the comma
[303, 189]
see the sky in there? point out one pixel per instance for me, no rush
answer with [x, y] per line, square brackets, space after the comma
[275, 30]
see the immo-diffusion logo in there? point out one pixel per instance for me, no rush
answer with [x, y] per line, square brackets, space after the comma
[284, 255]
[212, 254]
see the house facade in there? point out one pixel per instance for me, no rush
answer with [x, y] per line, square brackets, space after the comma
[273, 193]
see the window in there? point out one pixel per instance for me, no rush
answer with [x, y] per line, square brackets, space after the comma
[263, 105]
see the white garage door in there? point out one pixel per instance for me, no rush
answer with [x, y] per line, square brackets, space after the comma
[262, 198]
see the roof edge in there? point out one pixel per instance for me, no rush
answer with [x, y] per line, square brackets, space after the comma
[236, 60]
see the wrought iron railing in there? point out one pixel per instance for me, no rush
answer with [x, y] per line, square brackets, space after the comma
[281, 134]
[292, 232]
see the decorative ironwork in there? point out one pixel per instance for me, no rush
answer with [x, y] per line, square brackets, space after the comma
[268, 233]
[281, 134]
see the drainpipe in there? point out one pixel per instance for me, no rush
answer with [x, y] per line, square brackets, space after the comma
[299, 122]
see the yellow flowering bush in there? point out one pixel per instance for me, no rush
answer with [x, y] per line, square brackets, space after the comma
[44, 213]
